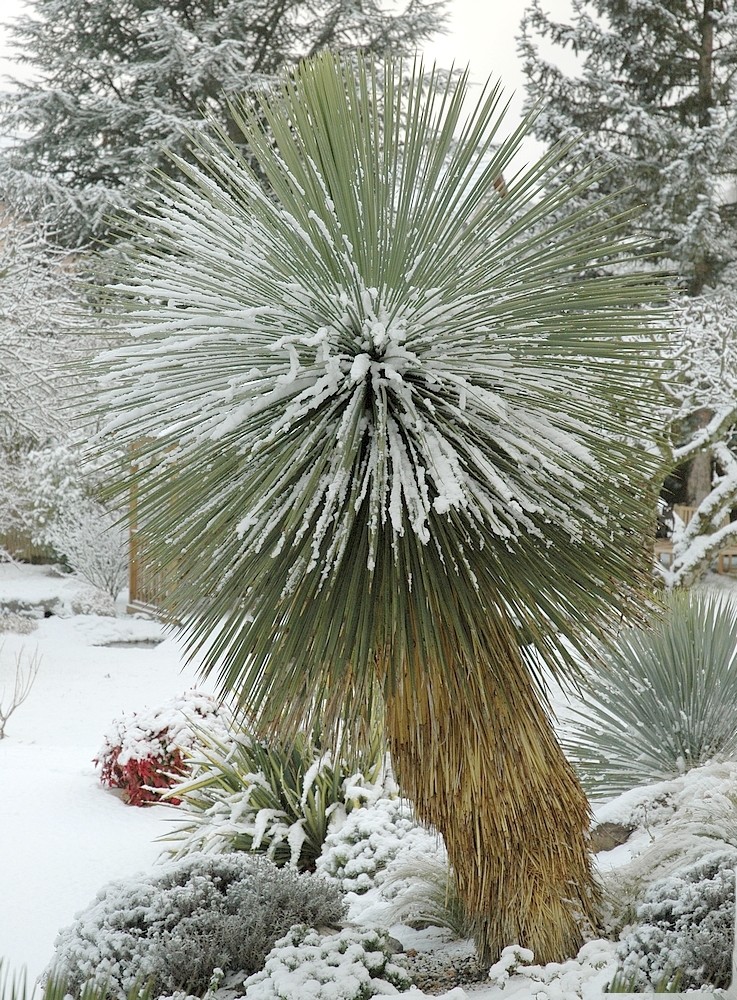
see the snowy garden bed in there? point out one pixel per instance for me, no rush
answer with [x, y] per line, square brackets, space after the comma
[64, 836]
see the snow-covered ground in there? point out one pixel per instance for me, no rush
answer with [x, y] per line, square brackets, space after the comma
[62, 835]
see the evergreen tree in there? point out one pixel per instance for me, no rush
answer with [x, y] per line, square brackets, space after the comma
[117, 83]
[653, 96]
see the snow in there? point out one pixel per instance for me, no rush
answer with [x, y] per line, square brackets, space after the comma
[63, 836]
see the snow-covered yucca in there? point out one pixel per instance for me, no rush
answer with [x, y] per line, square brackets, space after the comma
[395, 442]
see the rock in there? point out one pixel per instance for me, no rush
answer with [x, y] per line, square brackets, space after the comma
[439, 972]
[607, 836]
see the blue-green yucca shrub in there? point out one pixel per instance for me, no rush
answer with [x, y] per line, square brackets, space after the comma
[663, 700]
[172, 929]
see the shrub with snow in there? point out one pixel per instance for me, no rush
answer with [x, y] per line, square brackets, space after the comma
[685, 925]
[585, 976]
[144, 752]
[58, 505]
[93, 542]
[93, 601]
[176, 927]
[246, 794]
[358, 852]
[349, 965]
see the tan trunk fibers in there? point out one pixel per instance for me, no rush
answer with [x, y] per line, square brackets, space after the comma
[482, 765]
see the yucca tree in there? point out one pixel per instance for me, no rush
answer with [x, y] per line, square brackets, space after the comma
[394, 444]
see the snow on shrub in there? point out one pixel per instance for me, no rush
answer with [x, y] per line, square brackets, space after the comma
[358, 852]
[350, 965]
[685, 926]
[581, 978]
[676, 824]
[144, 752]
[176, 927]
[246, 794]
[93, 601]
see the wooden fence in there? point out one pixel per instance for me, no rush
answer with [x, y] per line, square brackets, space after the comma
[18, 544]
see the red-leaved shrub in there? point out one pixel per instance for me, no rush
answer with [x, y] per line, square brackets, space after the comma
[143, 751]
[140, 778]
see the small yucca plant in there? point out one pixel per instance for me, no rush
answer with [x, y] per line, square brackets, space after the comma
[265, 796]
[58, 987]
[661, 701]
[624, 984]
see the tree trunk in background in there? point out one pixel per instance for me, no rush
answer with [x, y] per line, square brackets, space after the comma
[703, 271]
[486, 770]
[699, 480]
[698, 485]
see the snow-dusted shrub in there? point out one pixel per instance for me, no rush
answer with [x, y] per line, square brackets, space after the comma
[92, 601]
[349, 965]
[10, 621]
[662, 701]
[358, 852]
[143, 752]
[425, 894]
[173, 928]
[246, 794]
[584, 976]
[685, 926]
[93, 542]
[59, 507]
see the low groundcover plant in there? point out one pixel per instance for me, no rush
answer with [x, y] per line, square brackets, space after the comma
[173, 929]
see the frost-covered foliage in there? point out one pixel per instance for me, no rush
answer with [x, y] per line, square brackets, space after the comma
[359, 852]
[42, 319]
[702, 420]
[145, 752]
[382, 847]
[649, 90]
[685, 924]
[93, 542]
[587, 975]
[92, 601]
[141, 74]
[39, 315]
[675, 825]
[661, 700]
[57, 503]
[349, 965]
[175, 927]
[245, 794]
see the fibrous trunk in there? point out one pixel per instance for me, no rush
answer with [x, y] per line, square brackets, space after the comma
[482, 765]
